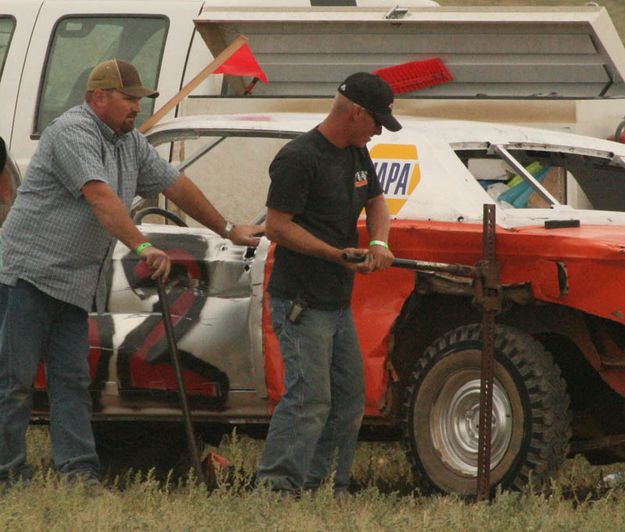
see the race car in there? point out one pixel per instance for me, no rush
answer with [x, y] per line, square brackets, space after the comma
[560, 337]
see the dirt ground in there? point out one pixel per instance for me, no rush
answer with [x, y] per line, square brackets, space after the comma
[616, 8]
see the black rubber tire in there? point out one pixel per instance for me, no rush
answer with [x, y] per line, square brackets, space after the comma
[533, 422]
[139, 215]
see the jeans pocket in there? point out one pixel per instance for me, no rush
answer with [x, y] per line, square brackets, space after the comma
[278, 308]
[281, 325]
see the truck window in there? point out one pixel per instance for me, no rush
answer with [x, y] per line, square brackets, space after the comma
[7, 25]
[80, 43]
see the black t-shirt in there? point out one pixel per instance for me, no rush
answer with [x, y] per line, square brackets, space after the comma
[326, 188]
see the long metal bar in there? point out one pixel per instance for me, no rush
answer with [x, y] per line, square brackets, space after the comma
[490, 280]
[182, 392]
[455, 269]
[461, 270]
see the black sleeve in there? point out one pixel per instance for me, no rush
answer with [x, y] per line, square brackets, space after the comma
[3, 154]
[290, 183]
[373, 188]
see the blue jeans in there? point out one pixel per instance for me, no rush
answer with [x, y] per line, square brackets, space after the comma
[34, 325]
[322, 408]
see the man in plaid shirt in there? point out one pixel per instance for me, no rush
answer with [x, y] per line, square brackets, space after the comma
[56, 247]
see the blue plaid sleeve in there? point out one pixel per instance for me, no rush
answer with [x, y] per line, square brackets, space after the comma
[155, 173]
[77, 156]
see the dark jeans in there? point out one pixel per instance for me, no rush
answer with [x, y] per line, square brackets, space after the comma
[322, 408]
[35, 325]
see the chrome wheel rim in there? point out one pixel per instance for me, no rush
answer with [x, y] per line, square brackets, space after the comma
[454, 424]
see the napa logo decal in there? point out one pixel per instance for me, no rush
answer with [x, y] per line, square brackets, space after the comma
[397, 167]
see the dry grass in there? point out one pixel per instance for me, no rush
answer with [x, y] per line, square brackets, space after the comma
[382, 500]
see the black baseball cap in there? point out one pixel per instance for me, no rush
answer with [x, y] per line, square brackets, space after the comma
[374, 94]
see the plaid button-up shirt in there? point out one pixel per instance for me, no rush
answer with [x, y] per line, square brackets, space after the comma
[51, 237]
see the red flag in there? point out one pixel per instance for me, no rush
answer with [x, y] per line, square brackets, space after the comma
[242, 63]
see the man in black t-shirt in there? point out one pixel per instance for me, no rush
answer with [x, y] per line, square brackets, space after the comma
[320, 183]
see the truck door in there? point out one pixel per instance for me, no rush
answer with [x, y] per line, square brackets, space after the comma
[17, 19]
[69, 38]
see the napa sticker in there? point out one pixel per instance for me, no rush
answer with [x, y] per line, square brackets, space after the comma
[397, 167]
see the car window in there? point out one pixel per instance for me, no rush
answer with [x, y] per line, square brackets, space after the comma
[232, 171]
[583, 179]
[7, 25]
[79, 43]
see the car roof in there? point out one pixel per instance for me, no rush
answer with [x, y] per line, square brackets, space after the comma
[454, 132]
[422, 153]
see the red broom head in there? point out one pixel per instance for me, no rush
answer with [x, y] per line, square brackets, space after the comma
[414, 75]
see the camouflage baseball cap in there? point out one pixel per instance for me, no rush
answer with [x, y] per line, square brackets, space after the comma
[119, 75]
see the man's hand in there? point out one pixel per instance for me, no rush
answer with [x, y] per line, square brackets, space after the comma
[380, 258]
[362, 266]
[246, 235]
[376, 258]
[158, 261]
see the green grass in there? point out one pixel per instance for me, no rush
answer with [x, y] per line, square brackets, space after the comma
[383, 500]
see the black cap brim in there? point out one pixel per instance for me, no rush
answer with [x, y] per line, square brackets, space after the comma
[388, 121]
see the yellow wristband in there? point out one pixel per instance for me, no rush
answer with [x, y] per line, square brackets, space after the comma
[141, 247]
[378, 243]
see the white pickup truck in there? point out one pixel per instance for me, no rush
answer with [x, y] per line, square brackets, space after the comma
[562, 68]
[48, 47]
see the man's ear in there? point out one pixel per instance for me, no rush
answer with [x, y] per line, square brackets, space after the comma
[99, 98]
[355, 111]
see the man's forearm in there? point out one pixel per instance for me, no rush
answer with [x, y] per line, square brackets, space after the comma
[378, 225]
[296, 238]
[282, 230]
[112, 214]
[186, 195]
[378, 219]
